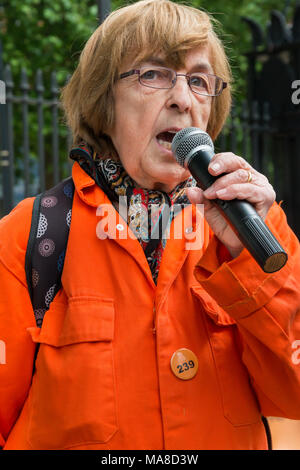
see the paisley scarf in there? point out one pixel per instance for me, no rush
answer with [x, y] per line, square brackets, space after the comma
[145, 206]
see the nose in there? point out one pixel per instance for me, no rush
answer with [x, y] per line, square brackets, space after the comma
[180, 96]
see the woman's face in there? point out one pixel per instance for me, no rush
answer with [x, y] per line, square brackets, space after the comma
[143, 113]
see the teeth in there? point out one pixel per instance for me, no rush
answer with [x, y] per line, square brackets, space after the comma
[167, 145]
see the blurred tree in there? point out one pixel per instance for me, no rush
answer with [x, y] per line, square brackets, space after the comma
[45, 34]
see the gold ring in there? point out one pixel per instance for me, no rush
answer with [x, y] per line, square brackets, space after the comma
[249, 179]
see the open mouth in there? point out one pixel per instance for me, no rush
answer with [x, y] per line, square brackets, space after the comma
[165, 139]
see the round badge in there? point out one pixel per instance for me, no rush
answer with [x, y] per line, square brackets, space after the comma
[184, 364]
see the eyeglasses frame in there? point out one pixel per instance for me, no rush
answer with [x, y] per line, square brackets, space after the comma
[187, 76]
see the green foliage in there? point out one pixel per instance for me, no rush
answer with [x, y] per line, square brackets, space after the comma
[45, 34]
[49, 34]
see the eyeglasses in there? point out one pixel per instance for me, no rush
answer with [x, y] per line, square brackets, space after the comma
[164, 78]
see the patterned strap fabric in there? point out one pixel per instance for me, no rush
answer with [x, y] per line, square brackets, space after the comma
[51, 218]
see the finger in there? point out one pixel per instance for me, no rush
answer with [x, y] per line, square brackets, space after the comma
[263, 196]
[195, 195]
[227, 162]
[236, 177]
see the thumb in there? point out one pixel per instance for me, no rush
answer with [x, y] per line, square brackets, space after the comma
[195, 195]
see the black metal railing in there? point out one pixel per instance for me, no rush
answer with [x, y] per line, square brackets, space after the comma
[29, 164]
[273, 71]
[250, 132]
[32, 158]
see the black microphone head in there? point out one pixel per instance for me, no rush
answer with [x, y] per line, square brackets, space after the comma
[187, 140]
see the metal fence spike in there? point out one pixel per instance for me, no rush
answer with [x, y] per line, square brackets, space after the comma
[296, 24]
[39, 81]
[8, 77]
[24, 84]
[54, 86]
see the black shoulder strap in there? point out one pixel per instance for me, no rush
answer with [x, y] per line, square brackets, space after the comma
[47, 243]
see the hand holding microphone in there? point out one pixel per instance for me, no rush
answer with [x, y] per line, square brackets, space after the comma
[193, 149]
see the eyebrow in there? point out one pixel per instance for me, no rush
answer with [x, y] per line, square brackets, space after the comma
[202, 67]
[199, 67]
[153, 60]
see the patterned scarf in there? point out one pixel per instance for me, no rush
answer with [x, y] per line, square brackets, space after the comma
[145, 214]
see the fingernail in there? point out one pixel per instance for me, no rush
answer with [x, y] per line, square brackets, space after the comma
[215, 167]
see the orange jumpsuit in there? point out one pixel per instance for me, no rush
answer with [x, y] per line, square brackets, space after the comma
[102, 378]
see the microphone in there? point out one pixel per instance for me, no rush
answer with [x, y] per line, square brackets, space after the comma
[193, 149]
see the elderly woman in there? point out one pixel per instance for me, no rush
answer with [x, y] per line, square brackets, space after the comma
[151, 342]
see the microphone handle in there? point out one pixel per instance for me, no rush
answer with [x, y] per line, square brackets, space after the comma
[242, 217]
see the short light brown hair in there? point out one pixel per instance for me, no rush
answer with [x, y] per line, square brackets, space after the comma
[138, 30]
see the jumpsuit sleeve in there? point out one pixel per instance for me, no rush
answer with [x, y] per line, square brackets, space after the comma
[16, 315]
[266, 309]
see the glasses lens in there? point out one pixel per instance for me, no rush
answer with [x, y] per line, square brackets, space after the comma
[206, 84]
[156, 77]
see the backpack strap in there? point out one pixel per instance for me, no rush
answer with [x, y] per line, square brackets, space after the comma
[47, 243]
